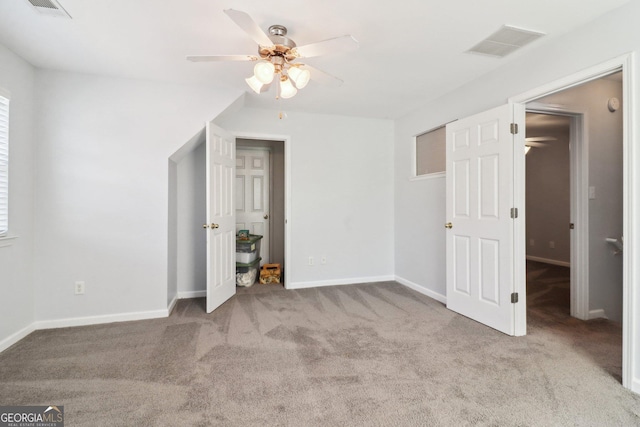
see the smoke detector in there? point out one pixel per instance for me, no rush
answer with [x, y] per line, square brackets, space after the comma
[505, 41]
[49, 7]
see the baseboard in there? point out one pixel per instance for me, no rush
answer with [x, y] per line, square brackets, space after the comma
[172, 305]
[97, 320]
[349, 281]
[14, 338]
[424, 291]
[548, 261]
[635, 385]
[192, 294]
[597, 314]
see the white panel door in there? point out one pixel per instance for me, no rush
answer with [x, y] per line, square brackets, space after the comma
[252, 195]
[480, 240]
[220, 227]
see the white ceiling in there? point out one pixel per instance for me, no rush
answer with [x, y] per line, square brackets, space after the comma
[410, 51]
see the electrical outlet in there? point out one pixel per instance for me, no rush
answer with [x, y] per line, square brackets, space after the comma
[323, 260]
[79, 288]
[552, 244]
[310, 260]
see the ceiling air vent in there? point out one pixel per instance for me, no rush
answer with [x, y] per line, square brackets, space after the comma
[49, 7]
[505, 41]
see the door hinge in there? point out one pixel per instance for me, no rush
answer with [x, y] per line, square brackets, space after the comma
[514, 297]
[514, 128]
[572, 226]
[514, 213]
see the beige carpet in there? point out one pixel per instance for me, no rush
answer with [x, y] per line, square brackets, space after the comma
[376, 354]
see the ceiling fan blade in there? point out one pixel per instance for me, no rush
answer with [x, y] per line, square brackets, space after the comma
[336, 45]
[534, 144]
[541, 138]
[322, 77]
[244, 21]
[216, 58]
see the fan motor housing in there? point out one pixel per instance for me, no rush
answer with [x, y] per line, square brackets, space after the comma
[282, 45]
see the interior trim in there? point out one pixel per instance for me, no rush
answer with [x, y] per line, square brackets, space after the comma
[335, 282]
[14, 338]
[421, 289]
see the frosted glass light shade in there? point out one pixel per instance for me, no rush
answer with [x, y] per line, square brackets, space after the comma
[287, 90]
[263, 71]
[299, 77]
[254, 84]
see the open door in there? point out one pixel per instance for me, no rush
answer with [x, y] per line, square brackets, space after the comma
[481, 212]
[220, 226]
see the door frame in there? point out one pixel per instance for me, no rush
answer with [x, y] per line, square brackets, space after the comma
[631, 204]
[287, 191]
[579, 202]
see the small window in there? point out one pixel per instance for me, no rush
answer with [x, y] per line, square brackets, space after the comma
[431, 150]
[4, 163]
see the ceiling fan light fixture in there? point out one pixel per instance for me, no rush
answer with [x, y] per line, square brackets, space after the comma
[276, 56]
[264, 72]
[254, 84]
[287, 90]
[299, 77]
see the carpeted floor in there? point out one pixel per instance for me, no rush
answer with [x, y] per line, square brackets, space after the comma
[375, 354]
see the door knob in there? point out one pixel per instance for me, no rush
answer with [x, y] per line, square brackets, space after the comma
[448, 225]
[214, 225]
[266, 216]
[205, 226]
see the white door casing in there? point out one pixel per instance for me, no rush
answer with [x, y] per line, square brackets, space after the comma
[252, 194]
[220, 227]
[480, 198]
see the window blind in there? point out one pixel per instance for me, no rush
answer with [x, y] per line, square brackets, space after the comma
[4, 165]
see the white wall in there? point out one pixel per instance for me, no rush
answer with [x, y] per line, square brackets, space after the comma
[604, 131]
[16, 255]
[419, 206]
[192, 213]
[341, 193]
[172, 233]
[102, 190]
[548, 199]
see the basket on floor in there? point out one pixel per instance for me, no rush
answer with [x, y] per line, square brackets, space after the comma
[270, 273]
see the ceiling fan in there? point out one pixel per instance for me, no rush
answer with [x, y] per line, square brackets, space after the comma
[278, 56]
[537, 142]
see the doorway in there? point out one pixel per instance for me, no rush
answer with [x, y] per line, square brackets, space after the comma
[260, 195]
[574, 190]
[490, 136]
[620, 69]
[548, 216]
